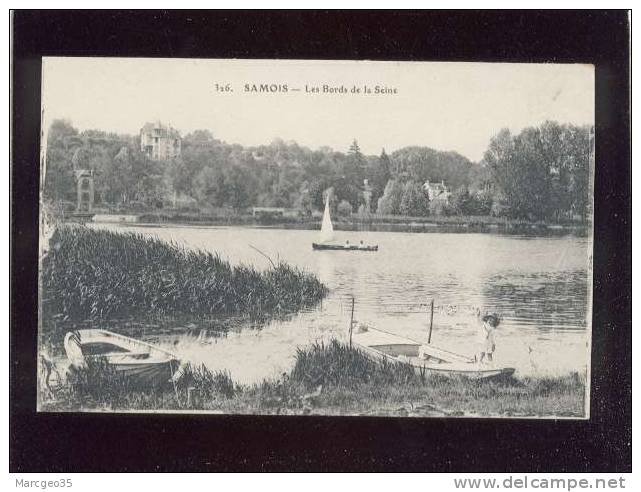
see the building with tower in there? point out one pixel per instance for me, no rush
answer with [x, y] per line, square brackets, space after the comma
[160, 142]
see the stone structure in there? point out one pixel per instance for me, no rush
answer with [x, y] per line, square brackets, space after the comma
[367, 196]
[85, 190]
[160, 142]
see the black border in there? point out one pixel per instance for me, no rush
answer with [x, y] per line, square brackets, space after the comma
[77, 442]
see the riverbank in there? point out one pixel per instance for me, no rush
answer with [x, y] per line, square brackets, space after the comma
[91, 274]
[373, 222]
[331, 379]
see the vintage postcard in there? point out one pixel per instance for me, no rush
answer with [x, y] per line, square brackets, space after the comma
[408, 239]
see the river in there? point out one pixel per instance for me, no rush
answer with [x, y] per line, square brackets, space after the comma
[539, 285]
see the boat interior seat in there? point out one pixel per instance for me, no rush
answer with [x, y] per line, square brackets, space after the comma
[132, 355]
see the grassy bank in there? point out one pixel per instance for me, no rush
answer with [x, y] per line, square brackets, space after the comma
[96, 274]
[332, 379]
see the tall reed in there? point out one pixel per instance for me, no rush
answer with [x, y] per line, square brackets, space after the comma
[98, 274]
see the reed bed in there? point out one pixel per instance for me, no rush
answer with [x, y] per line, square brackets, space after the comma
[96, 274]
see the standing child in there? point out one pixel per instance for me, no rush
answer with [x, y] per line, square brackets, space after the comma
[489, 323]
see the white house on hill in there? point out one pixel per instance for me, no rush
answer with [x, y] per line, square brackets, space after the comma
[160, 142]
[437, 191]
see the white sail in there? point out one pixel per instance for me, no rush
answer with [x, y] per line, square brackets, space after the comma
[327, 229]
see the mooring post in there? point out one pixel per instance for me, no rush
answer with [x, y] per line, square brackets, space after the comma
[351, 323]
[429, 336]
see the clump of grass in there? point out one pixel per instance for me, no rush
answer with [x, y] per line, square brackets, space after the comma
[96, 384]
[96, 274]
[209, 384]
[353, 383]
[336, 364]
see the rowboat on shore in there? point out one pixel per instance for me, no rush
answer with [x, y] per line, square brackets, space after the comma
[327, 236]
[140, 362]
[425, 359]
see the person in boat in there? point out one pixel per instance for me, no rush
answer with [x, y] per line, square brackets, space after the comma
[361, 245]
[347, 246]
[489, 324]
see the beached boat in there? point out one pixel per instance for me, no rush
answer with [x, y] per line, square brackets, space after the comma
[425, 359]
[142, 363]
[327, 236]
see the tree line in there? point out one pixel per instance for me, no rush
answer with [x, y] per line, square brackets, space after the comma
[540, 173]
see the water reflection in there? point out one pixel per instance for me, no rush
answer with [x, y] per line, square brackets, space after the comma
[554, 300]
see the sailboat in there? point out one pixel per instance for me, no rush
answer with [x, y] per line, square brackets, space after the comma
[327, 236]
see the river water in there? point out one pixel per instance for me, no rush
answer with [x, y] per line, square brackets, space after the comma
[539, 285]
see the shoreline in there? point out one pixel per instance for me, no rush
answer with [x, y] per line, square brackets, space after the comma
[311, 387]
[373, 223]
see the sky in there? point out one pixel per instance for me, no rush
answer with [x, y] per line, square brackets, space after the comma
[446, 106]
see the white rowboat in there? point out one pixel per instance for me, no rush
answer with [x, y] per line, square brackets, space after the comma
[425, 359]
[141, 362]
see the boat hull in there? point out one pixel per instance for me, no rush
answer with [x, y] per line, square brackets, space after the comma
[141, 363]
[154, 374]
[379, 345]
[339, 247]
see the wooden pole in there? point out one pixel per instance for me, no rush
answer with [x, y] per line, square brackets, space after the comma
[351, 324]
[429, 336]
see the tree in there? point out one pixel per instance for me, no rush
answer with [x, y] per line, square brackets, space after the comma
[317, 189]
[59, 177]
[132, 177]
[355, 165]
[344, 208]
[59, 130]
[379, 175]
[483, 203]
[542, 172]
[199, 137]
[422, 164]
[304, 201]
[463, 202]
[346, 190]
[413, 202]
[209, 187]
[580, 142]
[539, 173]
[237, 189]
[499, 158]
[389, 203]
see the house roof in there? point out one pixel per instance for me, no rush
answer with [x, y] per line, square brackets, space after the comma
[165, 130]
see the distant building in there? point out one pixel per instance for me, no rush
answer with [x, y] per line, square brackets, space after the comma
[268, 211]
[160, 142]
[437, 192]
[274, 212]
[85, 190]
